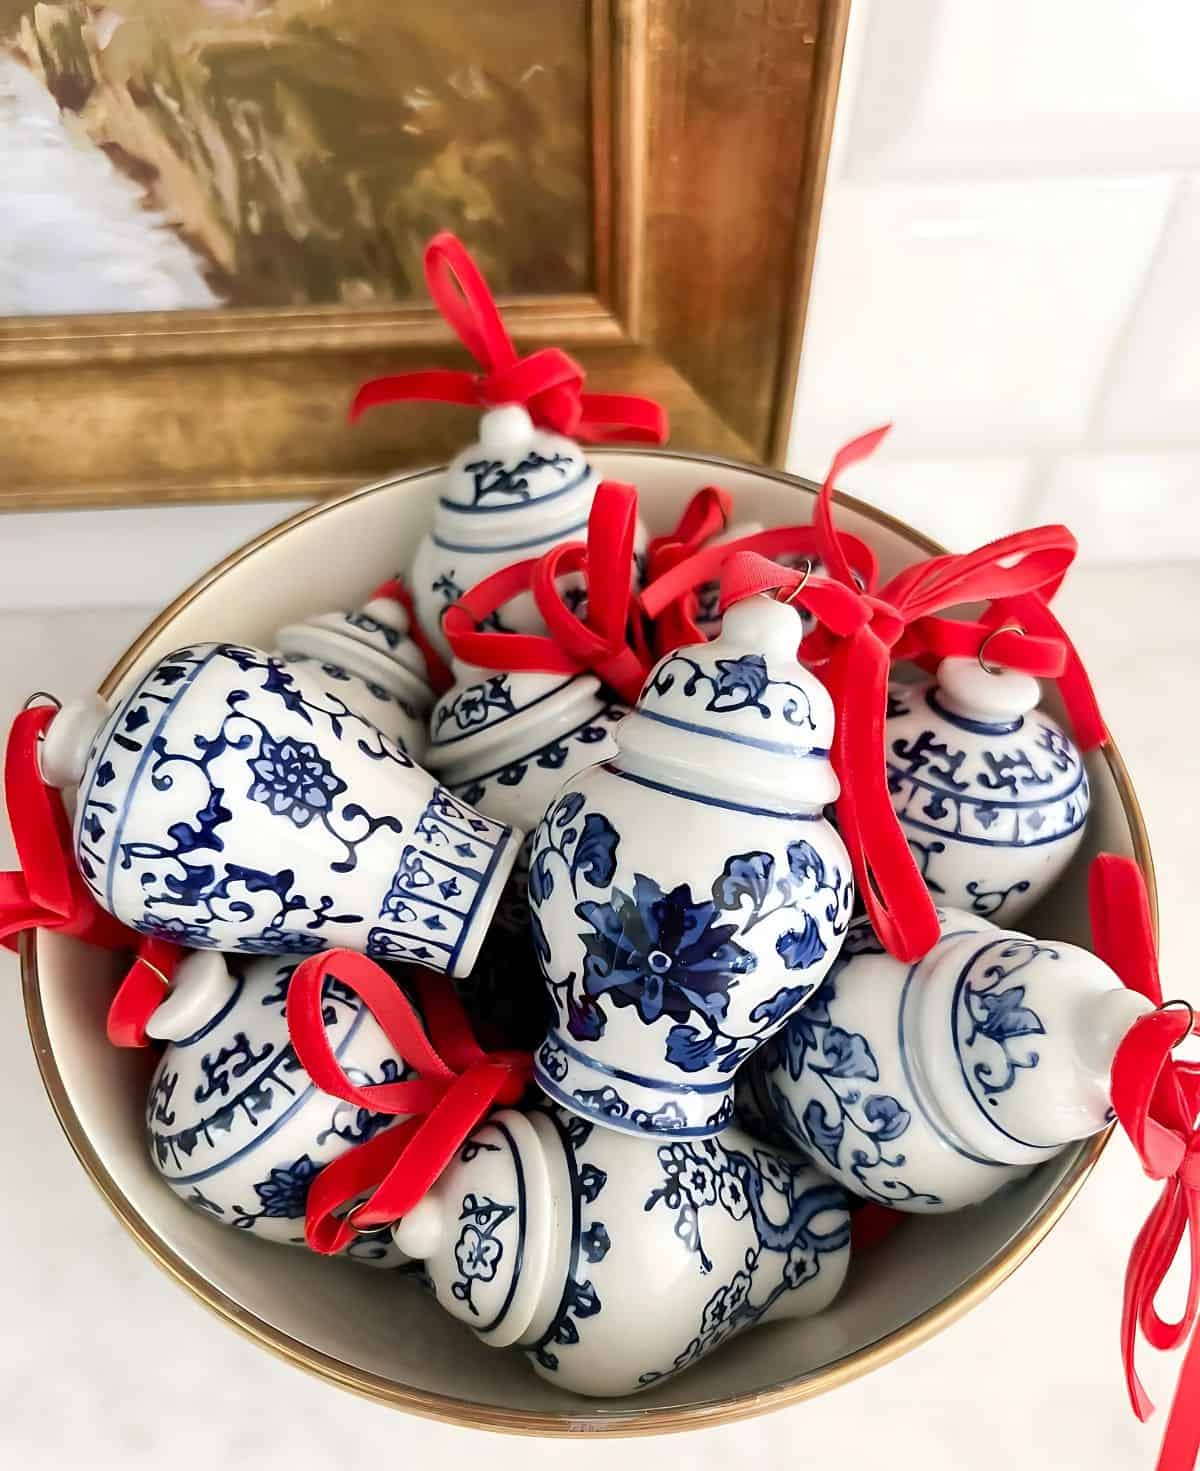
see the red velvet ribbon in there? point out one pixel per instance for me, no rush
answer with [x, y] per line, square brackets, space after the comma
[141, 992]
[547, 382]
[436, 669]
[600, 640]
[1156, 1098]
[706, 515]
[49, 892]
[898, 623]
[456, 1086]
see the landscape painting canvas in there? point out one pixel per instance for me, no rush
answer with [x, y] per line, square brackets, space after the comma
[265, 154]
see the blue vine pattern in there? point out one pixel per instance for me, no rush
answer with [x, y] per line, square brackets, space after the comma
[495, 477]
[848, 1123]
[738, 684]
[991, 1017]
[580, 1299]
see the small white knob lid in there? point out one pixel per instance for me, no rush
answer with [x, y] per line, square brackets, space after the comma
[418, 1233]
[506, 432]
[969, 689]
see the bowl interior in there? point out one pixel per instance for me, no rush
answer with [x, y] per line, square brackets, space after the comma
[380, 1333]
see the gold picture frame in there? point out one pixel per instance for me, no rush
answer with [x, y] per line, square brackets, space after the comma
[710, 135]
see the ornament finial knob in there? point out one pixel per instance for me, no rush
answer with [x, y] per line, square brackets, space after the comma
[68, 739]
[201, 987]
[418, 1233]
[969, 689]
[506, 432]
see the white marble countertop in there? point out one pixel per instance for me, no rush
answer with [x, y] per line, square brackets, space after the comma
[104, 1362]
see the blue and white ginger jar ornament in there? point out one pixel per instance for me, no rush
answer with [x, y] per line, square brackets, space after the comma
[928, 1086]
[367, 657]
[233, 1122]
[990, 790]
[516, 494]
[615, 1262]
[230, 801]
[689, 894]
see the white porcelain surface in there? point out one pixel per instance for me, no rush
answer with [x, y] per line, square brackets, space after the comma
[230, 801]
[617, 1262]
[233, 1122]
[689, 893]
[87, 1317]
[66, 1393]
[929, 1086]
[989, 788]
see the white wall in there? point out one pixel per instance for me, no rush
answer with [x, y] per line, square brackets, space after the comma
[1009, 268]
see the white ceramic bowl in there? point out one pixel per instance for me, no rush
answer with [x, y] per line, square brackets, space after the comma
[387, 1339]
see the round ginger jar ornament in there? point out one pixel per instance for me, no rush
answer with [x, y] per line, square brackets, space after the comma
[689, 894]
[990, 790]
[927, 1087]
[234, 1124]
[230, 802]
[614, 1261]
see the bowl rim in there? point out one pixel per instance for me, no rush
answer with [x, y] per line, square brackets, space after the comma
[474, 1414]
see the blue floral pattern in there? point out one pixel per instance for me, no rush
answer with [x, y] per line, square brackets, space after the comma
[992, 1021]
[293, 779]
[713, 1177]
[738, 684]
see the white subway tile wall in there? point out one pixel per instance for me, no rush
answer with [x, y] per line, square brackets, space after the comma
[1007, 269]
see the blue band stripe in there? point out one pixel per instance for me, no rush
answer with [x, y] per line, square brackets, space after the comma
[508, 546]
[983, 800]
[656, 1085]
[709, 801]
[781, 748]
[608, 1121]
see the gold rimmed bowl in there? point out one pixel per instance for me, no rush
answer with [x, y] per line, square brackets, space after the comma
[381, 1335]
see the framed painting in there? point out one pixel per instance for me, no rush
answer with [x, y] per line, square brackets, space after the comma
[214, 212]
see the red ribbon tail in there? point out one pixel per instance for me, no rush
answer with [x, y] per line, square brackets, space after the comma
[436, 669]
[832, 553]
[431, 385]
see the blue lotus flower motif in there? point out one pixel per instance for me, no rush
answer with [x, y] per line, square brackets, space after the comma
[294, 780]
[284, 1193]
[477, 1254]
[177, 931]
[662, 953]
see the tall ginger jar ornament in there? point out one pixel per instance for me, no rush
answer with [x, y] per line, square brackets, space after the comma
[689, 894]
[231, 801]
[990, 790]
[926, 1087]
[615, 1261]
[234, 1124]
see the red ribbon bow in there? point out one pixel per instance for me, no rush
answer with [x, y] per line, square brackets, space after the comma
[436, 669]
[49, 892]
[547, 382]
[598, 641]
[1156, 1099]
[456, 1085]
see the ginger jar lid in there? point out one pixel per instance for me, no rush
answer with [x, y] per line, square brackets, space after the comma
[514, 466]
[740, 712]
[489, 716]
